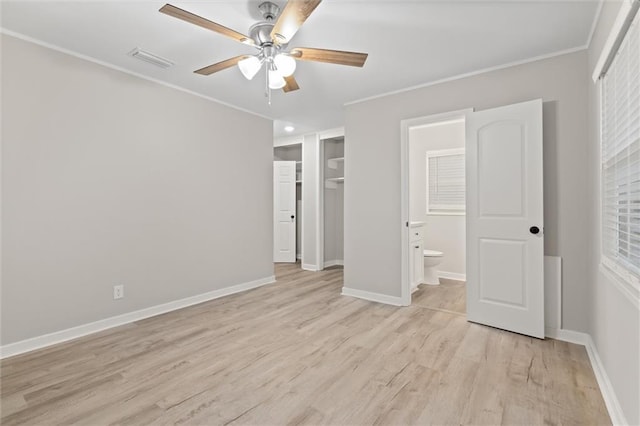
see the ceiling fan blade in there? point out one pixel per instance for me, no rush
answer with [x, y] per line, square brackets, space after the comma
[220, 65]
[291, 19]
[291, 85]
[176, 12]
[340, 57]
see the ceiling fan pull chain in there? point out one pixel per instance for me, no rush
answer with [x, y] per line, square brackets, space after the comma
[267, 90]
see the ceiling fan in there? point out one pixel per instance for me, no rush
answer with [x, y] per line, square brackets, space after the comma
[271, 38]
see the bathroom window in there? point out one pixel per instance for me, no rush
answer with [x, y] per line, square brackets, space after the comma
[620, 134]
[445, 182]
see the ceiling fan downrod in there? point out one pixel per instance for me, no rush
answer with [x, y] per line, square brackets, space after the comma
[270, 11]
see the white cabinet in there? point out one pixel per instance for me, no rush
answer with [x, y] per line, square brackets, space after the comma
[416, 258]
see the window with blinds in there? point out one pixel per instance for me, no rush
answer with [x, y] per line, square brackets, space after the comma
[621, 159]
[445, 182]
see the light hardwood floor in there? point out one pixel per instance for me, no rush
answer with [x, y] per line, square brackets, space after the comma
[449, 296]
[296, 352]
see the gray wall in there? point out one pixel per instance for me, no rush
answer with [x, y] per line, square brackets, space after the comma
[614, 319]
[110, 179]
[372, 181]
[445, 233]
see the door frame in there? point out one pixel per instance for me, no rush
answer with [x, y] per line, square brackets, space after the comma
[322, 137]
[405, 126]
[292, 142]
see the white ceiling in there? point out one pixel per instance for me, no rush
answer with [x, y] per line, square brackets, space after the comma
[410, 42]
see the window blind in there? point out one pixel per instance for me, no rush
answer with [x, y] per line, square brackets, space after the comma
[445, 182]
[621, 158]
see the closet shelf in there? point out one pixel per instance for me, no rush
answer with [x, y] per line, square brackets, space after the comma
[334, 162]
[332, 183]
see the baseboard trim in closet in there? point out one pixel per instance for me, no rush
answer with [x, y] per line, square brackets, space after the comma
[373, 297]
[56, 337]
[331, 263]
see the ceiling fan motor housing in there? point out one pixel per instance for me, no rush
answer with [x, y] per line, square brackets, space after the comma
[260, 33]
[271, 36]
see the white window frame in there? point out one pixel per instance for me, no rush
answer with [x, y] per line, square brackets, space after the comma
[621, 273]
[443, 210]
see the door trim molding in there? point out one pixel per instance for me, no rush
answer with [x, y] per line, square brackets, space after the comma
[61, 336]
[405, 126]
[320, 205]
[322, 137]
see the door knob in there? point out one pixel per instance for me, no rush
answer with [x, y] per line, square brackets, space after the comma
[534, 230]
[292, 217]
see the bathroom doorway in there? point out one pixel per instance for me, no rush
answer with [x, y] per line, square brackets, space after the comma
[504, 218]
[436, 202]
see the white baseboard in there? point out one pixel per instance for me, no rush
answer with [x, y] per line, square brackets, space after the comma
[452, 276]
[309, 267]
[606, 388]
[56, 337]
[298, 257]
[567, 335]
[331, 263]
[373, 297]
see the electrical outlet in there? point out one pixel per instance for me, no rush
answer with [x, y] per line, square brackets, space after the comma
[118, 292]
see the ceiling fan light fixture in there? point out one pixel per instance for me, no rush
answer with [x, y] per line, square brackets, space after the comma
[276, 80]
[271, 37]
[285, 64]
[250, 66]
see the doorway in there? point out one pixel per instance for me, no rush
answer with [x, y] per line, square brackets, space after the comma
[437, 214]
[504, 244]
[332, 214]
[436, 210]
[287, 203]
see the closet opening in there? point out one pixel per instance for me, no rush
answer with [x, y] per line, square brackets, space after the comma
[333, 202]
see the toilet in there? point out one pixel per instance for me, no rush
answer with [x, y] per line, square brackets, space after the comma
[432, 259]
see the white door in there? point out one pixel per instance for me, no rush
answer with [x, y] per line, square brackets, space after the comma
[505, 243]
[284, 211]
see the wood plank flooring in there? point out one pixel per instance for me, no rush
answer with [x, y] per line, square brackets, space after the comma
[449, 296]
[297, 352]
